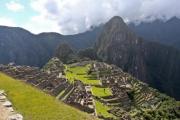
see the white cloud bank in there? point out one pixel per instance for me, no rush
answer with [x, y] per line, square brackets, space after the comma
[14, 6]
[6, 21]
[74, 16]
[40, 24]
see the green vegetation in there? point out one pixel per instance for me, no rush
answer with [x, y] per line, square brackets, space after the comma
[35, 104]
[102, 110]
[80, 73]
[101, 92]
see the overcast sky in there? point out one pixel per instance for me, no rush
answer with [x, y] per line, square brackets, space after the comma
[75, 16]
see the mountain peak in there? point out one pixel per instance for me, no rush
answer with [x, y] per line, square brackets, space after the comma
[116, 31]
[118, 45]
[117, 22]
[174, 19]
[116, 19]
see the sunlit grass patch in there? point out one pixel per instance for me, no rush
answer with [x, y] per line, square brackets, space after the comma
[101, 92]
[102, 110]
[80, 73]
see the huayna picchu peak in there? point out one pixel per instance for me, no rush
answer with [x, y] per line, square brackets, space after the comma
[150, 62]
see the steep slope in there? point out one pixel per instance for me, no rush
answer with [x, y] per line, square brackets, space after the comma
[24, 48]
[151, 62]
[20, 46]
[36, 105]
[167, 32]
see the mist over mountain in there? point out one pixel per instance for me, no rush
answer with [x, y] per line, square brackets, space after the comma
[165, 32]
[153, 63]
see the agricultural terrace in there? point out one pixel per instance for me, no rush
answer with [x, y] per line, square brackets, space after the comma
[74, 72]
[100, 91]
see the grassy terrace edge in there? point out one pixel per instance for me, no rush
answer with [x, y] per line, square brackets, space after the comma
[34, 104]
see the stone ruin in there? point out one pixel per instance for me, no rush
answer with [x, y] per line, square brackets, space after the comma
[81, 97]
[125, 90]
[50, 83]
[6, 109]
[54, 66]
[53, 82]
[114, 78]
[78, 95]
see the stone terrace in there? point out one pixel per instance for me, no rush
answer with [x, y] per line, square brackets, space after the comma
[50, 83]
[81, 97]
[126, 89]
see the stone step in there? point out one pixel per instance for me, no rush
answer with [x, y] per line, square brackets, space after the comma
[67, 90]
[6, 109]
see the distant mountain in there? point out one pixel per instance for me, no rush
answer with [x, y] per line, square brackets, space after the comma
[153, 63]
[167, 32]
[20, 46]
[24, 48]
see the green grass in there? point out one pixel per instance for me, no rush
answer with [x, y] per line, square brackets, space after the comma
[34, 104]
[80, 73]
[101, 92]
[102, 109]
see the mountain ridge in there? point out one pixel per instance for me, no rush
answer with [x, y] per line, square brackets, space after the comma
[22, 47]
[164, 32]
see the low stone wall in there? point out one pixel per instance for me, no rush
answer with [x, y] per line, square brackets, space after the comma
[6, 110]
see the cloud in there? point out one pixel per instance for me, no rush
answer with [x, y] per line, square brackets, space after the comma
[40, 24]
[7, 21]
[14, 6]
[74, 16]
